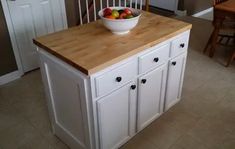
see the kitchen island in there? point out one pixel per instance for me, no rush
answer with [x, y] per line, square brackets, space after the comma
[102, 89]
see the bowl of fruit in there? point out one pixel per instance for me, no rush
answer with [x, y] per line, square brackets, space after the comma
[119, 20]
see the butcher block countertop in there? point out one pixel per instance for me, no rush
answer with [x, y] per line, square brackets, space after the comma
[91, 47]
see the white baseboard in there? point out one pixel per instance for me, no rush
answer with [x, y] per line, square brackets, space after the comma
[181, 12]
[203, 12]
[9, 77]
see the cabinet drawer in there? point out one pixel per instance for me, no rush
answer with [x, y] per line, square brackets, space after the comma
[115, 78]
[154, 58]
[179, 45]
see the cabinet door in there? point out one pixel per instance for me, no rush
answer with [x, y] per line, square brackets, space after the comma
[175, 80]
[151, 96]
[116, 116]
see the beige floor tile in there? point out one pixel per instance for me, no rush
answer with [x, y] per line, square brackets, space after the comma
[40, 121]
[162, 134]
[211, 133]
[223, 116]
[9, 117]
[194, 105]
[183, 121]
[60, 145]
[188, 142]
[29, 107]
[228, 144]
[37, 142]
[139, 142]
[18, 135]
[228, 103]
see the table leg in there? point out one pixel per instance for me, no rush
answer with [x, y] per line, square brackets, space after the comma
[214, 38]
[231, 59]
[208, 42]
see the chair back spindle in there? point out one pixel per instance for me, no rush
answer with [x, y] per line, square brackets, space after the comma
[88, 9]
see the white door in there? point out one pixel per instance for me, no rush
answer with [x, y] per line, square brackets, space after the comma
[151, 96]
[165, 4]
[32, 18]
[116, 117]
[175, 80]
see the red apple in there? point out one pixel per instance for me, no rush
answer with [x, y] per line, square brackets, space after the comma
[128, 11]
[107, 12]
[122, 15]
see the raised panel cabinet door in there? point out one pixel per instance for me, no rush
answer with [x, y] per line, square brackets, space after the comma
[116, 117]
[67, 100]
[151, 95]
[175, 80]
[33, 18]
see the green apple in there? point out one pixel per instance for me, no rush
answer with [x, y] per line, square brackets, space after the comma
[115, 13]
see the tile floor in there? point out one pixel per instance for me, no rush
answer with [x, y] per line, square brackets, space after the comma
[203, 119]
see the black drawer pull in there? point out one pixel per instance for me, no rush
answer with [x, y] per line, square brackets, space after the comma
[173, 63]
[133, 87]
[119, 79]
[156, 59]
[182, 45]
[143, 81]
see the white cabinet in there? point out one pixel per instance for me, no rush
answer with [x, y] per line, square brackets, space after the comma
[106, 109]
[116, 116]
[151, 95]
[175, 80]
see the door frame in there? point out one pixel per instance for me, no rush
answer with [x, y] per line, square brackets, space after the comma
[12, 37]
[176, 5]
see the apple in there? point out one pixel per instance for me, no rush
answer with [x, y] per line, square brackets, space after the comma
[115, 13]
[122, 15]
[127, 11]
[107, 12]
[129, 16]
[110, 17]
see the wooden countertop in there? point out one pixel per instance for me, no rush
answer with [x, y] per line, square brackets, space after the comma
[226, 6]
[91, 47]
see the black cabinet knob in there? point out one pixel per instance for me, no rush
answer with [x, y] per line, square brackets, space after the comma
[133, 87]
[143, 81]
[156, 59]
[182, 45]
[173, 63]
[119, 79]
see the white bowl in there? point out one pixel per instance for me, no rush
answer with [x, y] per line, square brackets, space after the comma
[120, 26]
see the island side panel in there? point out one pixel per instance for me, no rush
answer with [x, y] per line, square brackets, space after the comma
[67, 93]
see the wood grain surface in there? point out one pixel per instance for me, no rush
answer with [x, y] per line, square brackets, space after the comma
[227, 6]
[91, 47]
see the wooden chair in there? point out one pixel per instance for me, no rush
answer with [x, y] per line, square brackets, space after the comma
[88, 9]
[228, 25]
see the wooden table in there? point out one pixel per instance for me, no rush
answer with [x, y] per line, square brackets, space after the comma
[221, 11]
